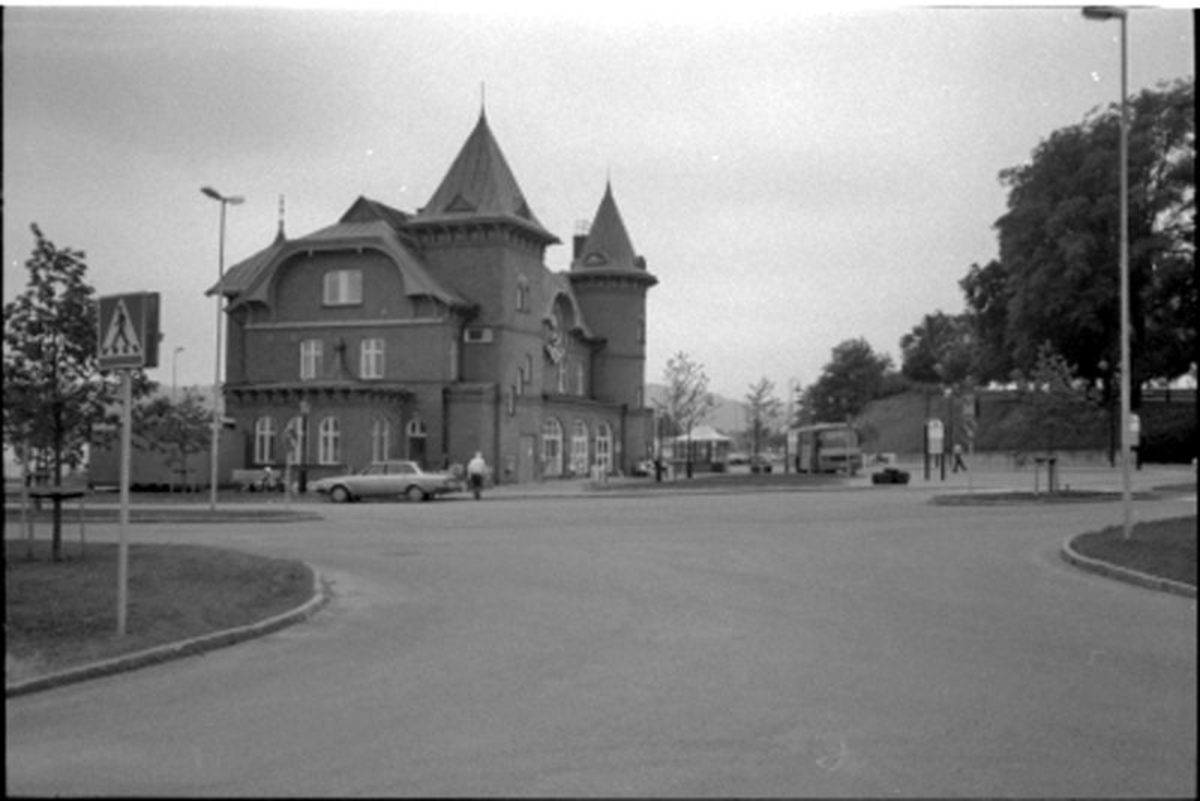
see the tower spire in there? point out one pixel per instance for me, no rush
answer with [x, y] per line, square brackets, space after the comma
[280, 235]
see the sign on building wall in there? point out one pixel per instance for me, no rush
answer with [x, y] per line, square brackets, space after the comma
[128, 328]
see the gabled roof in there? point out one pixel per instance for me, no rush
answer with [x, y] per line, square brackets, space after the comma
[480, 186]
[366, 224]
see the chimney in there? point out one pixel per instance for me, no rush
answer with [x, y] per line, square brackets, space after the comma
[581, 234]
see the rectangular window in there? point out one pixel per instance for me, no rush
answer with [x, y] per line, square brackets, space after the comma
[343, 288]
[371, 359]
[310, 359]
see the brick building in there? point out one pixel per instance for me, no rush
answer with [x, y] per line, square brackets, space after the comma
[432, 334]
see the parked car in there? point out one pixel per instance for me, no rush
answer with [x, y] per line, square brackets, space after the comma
[387, 479]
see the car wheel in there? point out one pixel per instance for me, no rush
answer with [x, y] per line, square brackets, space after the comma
[339, 494]
[415, 493]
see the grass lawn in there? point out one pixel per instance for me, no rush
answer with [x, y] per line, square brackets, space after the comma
[62, 614]
[1162, 548]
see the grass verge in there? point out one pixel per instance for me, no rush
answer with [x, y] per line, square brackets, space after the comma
[1161, 548]
[62, 614]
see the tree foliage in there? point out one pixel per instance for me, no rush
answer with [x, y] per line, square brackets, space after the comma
[54, 393]
[1056, 410]
[854, 377]
[762, 410]
[179, 429]
[1057, 278]
[941, 350]
[686, 402]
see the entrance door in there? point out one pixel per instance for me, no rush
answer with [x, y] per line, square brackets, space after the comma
[526, 458]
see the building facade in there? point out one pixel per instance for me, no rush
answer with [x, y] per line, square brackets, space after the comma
[432, 334]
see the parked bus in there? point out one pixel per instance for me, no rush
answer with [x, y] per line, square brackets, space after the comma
[827, 448]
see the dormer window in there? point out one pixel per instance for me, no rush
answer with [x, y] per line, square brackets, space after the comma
[343, 288]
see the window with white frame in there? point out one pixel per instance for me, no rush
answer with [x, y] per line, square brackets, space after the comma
[381, 439]
[371, 358]
[552, 448]
[562, 377]
[580, 389]
[310, 359]
[343, 288]
[604, 447]
[329, 441]
[579, 448]
[264, 440]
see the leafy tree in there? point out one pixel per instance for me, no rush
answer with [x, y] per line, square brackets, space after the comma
[180, 430]
[54, 393]
[1057, 279]
[687, 401]
[1055, 409]
[854, 377]
[938, 351]
[762, 410]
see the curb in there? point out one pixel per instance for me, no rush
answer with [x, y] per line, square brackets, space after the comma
[1136, 577]
[165, 653]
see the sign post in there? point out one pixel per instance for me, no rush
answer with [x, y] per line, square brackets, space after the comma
[128, 327]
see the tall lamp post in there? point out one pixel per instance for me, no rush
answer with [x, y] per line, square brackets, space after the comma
[216, 423]
[1105, 13]
[174, 382]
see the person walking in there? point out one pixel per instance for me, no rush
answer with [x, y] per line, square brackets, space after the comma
[958, 458]
[476, 472]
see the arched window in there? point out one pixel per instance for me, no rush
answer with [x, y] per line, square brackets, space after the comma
[552, 448]
[579, 448]
[329, 441]
[264, 440]
[381, 439]
[604, 447]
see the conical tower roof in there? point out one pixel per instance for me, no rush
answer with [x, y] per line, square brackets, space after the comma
[480, 186]
[608, 246]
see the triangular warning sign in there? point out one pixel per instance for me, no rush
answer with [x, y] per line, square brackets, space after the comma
[121, 339]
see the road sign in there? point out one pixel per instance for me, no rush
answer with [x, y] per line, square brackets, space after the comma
[935, 437]
[128, 327]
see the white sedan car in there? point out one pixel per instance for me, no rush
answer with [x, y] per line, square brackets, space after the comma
[387, 479]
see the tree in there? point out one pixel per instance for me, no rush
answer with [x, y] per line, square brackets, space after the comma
[1057, 280]
[687, 401]
[762, 410]
[854, 377]
[180, 430]
[940, 350]
[1055, 410]
[54, 392]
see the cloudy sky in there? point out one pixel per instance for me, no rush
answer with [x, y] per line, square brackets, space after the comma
[793, 178]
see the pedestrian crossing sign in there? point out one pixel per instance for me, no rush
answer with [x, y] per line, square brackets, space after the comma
[128, 329]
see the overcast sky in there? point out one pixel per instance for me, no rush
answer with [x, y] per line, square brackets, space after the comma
[793, 178]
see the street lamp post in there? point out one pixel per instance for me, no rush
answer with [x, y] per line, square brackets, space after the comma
[174, 381]
[1104, 13]
[216, 423]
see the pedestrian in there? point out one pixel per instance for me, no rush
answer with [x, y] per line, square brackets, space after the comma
[476, 471]
[958, 458]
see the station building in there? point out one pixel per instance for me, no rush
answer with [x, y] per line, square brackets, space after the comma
[429, 335]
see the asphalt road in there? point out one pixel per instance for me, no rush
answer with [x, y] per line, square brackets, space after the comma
[832, 643]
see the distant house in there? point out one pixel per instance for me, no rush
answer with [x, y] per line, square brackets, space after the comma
[432, 334]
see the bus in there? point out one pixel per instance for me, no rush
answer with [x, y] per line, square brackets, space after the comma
[827, 448]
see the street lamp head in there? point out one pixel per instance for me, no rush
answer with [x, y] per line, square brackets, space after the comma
[1103, 13]
[215, 195]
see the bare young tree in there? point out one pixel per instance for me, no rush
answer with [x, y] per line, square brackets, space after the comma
[762, 411]
[687, 402]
